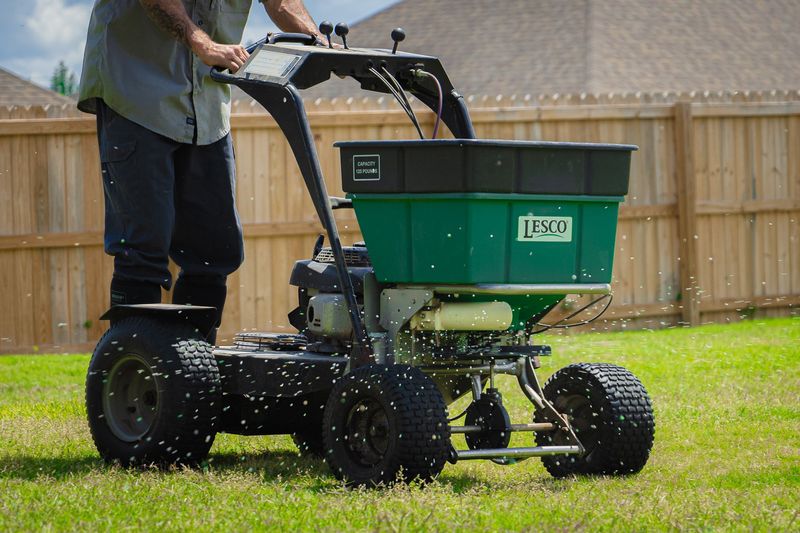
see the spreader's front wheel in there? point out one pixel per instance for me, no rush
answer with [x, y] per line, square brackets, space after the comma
[610, 413]
[153, 393]
[383, 424]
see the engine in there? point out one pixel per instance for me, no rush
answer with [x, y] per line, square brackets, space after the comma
[327, 316]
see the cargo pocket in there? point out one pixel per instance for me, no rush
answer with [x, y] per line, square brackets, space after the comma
[117, 165]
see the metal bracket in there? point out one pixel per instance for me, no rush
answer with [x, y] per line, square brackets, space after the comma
[529, 384]
[397, 308]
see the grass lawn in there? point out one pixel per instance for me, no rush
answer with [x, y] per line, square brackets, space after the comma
[727, 455]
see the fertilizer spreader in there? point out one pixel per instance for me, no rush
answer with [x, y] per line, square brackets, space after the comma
[469, 243]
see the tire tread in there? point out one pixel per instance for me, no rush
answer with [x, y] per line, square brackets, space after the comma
[625, 412]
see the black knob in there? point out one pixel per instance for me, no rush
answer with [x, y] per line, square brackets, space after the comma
[326, 28]
[398, 35]
[342, 30]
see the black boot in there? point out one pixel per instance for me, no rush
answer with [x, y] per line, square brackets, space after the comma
[128, 292]
[202, 290]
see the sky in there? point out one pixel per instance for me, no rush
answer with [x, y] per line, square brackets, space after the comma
[36, 34]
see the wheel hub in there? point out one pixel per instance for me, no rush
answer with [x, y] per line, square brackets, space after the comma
[367, 432]
[489, 413]
[578, 410]
[130, 398]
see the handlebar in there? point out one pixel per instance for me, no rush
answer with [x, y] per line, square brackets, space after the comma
[222, 75]
[301, 38]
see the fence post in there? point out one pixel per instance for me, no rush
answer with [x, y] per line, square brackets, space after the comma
[687, 212]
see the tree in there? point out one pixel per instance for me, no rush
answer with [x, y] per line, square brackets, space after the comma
[63, 81]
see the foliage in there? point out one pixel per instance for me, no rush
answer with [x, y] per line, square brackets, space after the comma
[63, 81]
[727, 402]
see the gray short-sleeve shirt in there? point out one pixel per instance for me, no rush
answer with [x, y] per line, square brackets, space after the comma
[149, 77]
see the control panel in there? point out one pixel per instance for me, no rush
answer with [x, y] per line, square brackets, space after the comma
[304, 61]
[285, 63]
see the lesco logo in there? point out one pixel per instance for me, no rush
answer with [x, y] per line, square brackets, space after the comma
[544, 229]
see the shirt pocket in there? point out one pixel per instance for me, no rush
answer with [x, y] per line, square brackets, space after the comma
[232, 6]
[229, 18]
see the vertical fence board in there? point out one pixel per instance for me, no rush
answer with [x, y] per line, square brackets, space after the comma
[687, 215]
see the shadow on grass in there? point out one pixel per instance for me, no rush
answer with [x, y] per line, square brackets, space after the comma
[30, 468]
[269, 465]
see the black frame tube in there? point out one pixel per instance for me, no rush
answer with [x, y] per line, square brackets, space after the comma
[286, 107]
[284, 103]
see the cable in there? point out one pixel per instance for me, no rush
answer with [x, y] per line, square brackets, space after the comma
[400, 100]
[391, 88]
[400, 90]
[421, 72]
[397, 85]
[559, 325]
[408, 111]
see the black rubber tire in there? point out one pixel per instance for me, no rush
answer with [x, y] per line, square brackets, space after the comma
[611, 414]
[188, 388]
[417, 432]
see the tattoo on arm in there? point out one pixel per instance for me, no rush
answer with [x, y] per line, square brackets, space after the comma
[170, 16]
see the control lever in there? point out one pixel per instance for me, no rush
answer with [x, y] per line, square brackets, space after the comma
[342, 30]
[326, 28]
[398, 35]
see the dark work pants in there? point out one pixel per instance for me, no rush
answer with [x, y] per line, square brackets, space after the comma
[167, 199]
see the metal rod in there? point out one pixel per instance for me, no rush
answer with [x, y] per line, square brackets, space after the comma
[501, 453]
[530, 386]
[509, 368]
[544, 426]
[543, 288]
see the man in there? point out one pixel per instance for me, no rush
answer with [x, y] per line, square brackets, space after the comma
[163, 128]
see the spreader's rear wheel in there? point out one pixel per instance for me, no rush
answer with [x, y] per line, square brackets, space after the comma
[153, 393]
[383, 424]
[130, 398]
[610, 413]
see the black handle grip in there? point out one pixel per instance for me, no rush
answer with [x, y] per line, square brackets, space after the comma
[222, 75]
[301, 38]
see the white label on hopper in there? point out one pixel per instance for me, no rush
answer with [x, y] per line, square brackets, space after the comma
[544, 229]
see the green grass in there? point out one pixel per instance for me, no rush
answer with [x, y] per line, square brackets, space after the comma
[727, 455]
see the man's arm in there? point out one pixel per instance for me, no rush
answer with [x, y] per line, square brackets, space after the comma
[291, 16]
[171, 16]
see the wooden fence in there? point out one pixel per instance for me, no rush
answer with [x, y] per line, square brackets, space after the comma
[709, 230]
